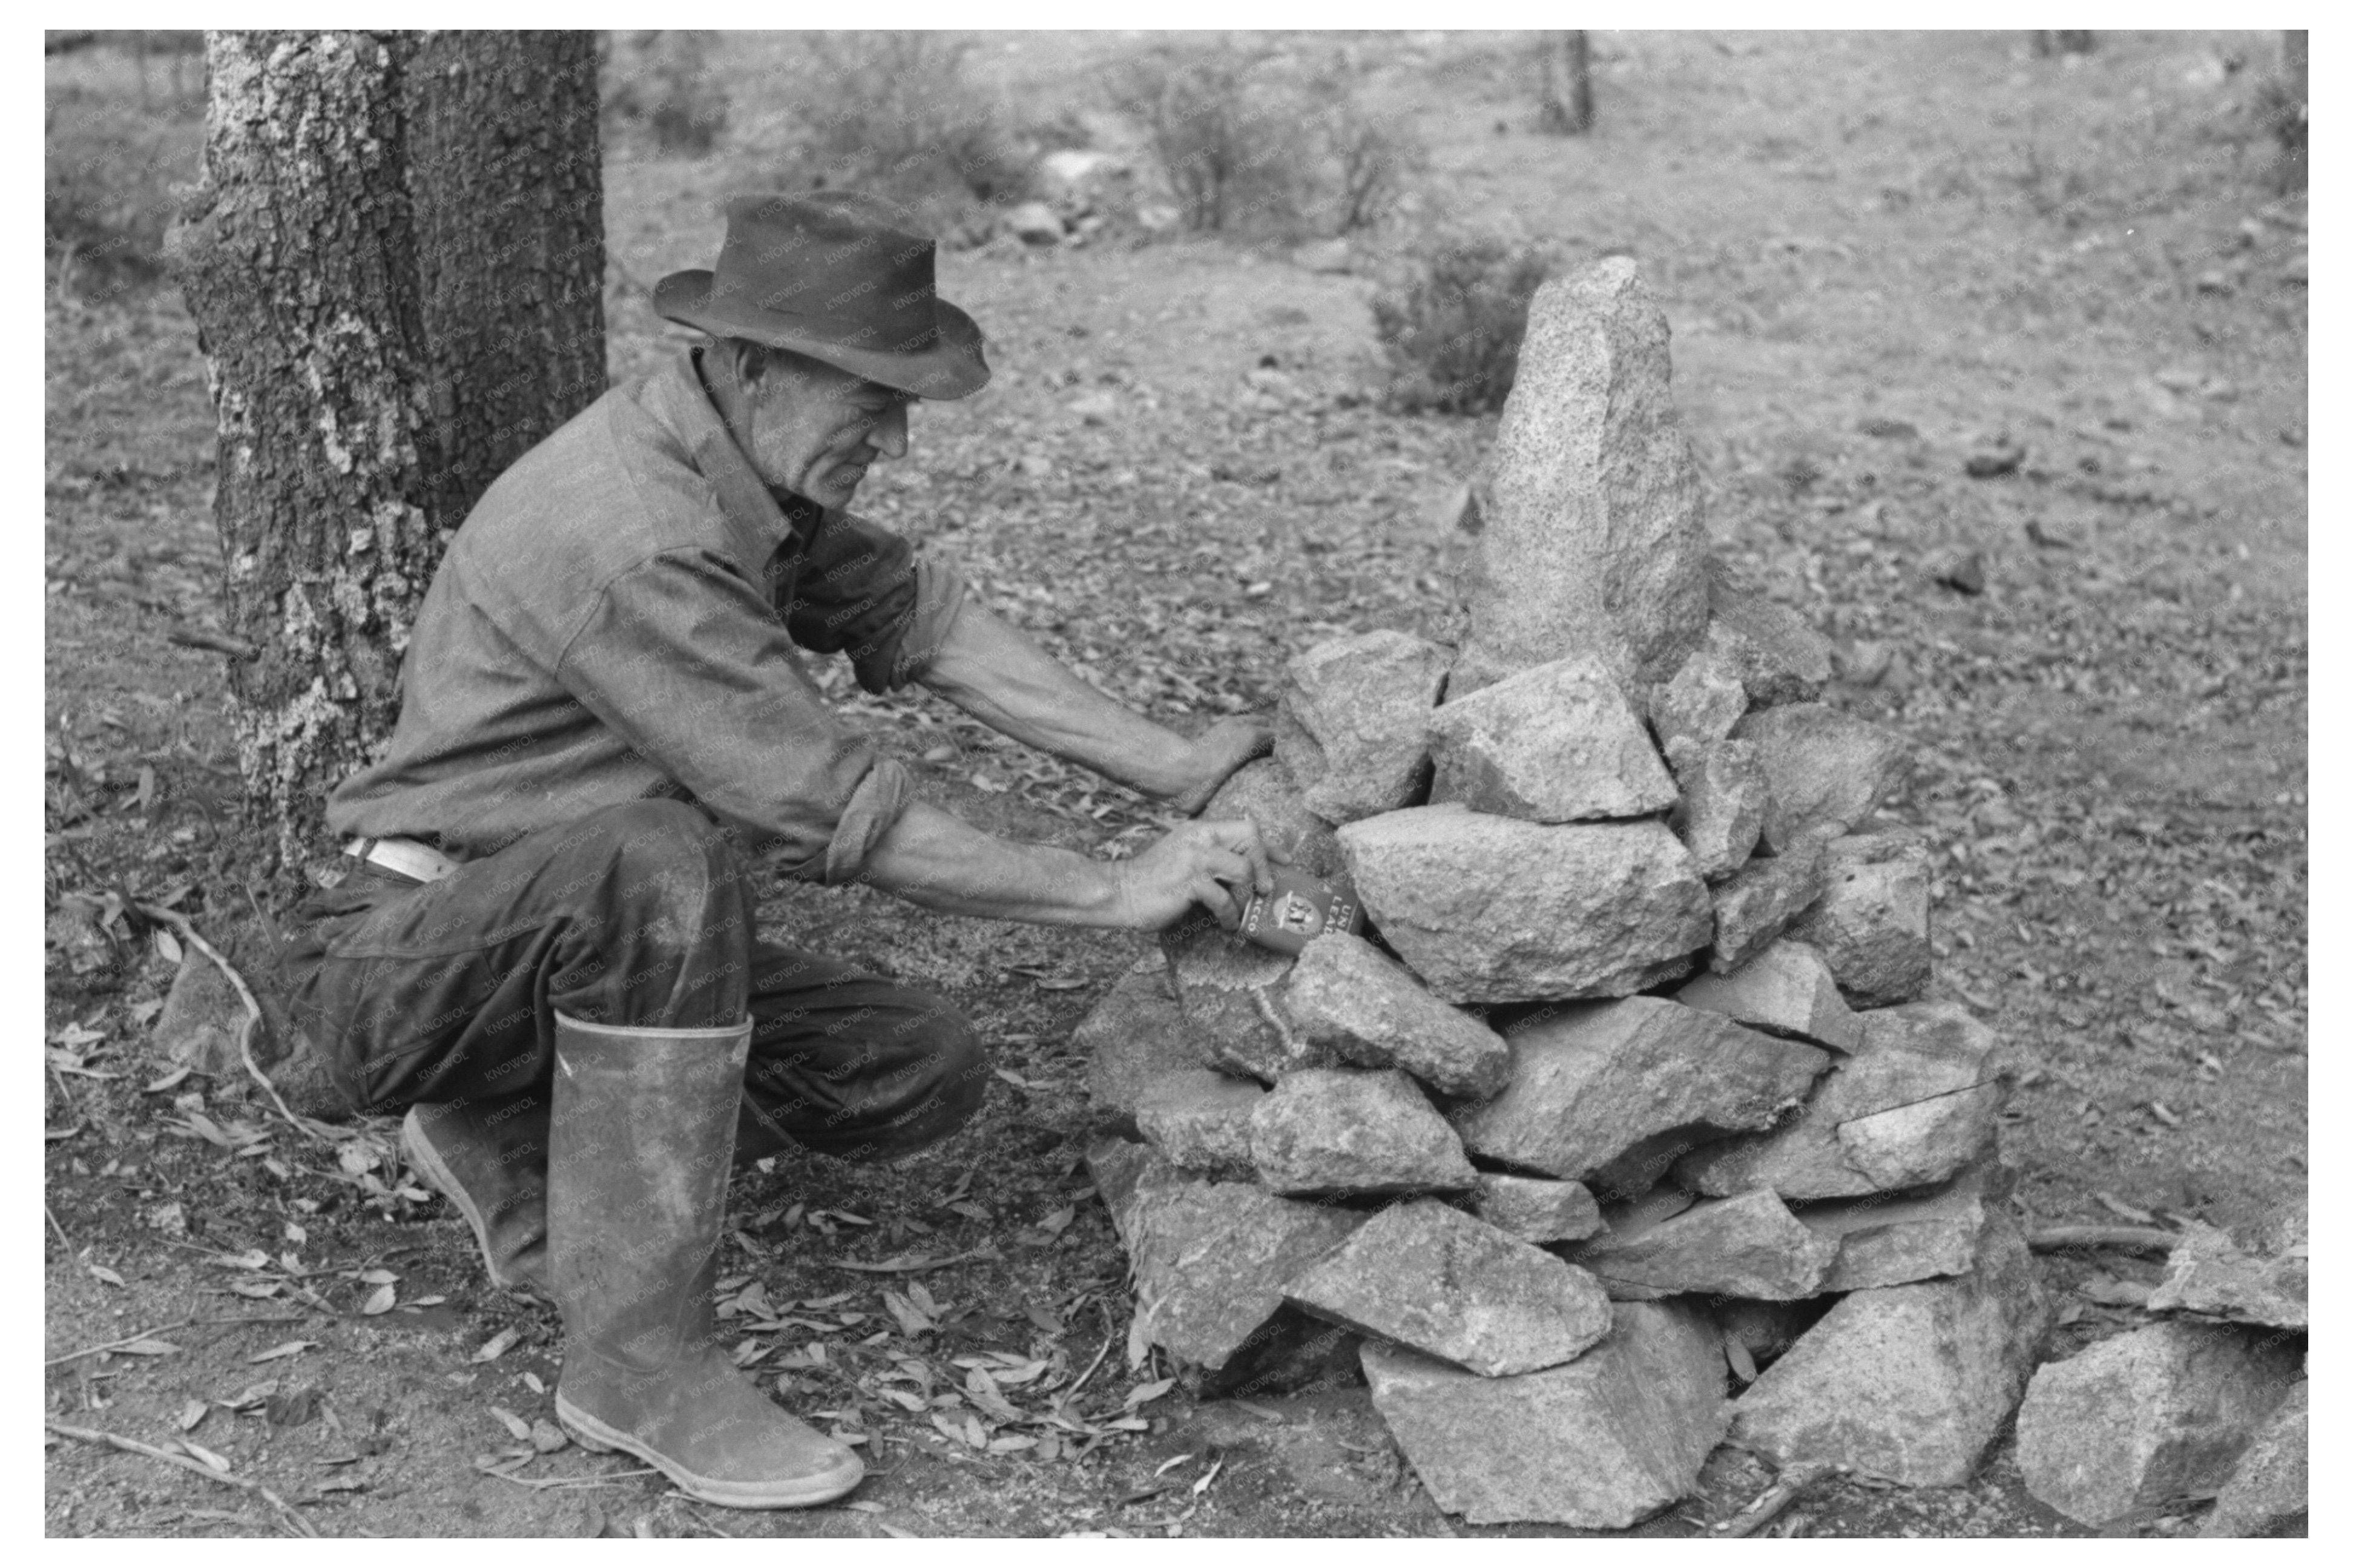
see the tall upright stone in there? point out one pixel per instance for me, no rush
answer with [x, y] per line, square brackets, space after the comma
[1593, 542]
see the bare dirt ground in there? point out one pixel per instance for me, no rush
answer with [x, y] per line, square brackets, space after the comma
[1879, 253]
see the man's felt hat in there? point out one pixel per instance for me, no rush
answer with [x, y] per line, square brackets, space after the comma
[841, 277]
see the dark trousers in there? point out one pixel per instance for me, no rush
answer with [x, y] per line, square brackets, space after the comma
[638, 915]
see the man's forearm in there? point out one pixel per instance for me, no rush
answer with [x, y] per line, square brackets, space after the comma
[940, 862]
[993, 672]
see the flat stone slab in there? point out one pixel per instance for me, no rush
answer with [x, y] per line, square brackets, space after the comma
[1749, 1246]
[2158, 1412]
[1785, 988]
[2208, 1274]
[1264, 793]
[1914, 1104]
[1440, 1282]
[1600, 1443]
[1757, 903]
[2269, 1492]
[1827, 770]
[1887, 1239]
[1776, 654]
[1593, 539]
[1211, 1259]
[1229, 991]
[1870, 924]
[1347, 996]
[1348, 1130]
[1488, 909]
[1200, 1120]
[1363, 704]
[1536, 1208]
[1722, 809]
[1910, 1384]
[1610, 1093]
[1136, 1036]
[1558, 743]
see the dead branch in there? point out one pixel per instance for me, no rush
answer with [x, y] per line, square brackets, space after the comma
[1774, 1500]
[148, 1450]
[2121, 1238]
[213, 642]
[187, 931]
[166, 1328]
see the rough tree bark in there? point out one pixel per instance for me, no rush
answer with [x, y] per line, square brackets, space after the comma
[1568, 84]
[395, 265]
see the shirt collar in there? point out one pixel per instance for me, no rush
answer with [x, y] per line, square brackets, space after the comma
[761, 521]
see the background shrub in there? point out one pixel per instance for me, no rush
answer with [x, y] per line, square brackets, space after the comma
[1375, 162]
[898, 114]
[660, 85]
[1453, 324]
[1235, 142]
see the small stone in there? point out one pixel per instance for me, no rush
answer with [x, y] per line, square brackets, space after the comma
[1331, 1131]
[1488, 909]
[1200, 1120]
[2146, 1416]
[1882, 429]
[1914, 1103]
[1536, 1209]
[1910, 1384]
[1324, 256]
[1558, 743]
[1871, 925]
[2268, 1494]
[1610, 1093]
[1034, 223]
[1785, 989]
[1703, 701]
[1963, 571]
[202, 1020]
[1264, 793]
[1347, 996]
[1723, 803]
[1136, 1034]
[1433, 1278]
[2208, 1274]
[1886, 1240]
[1229, 989]
[547, 1437]
[1757, 903]
[1765, 1330]
[1365, 701]
[1118, 1166]
[1601, 1443]
[1777, 657]
[1748, 1246]
[1826, 770]
[1211, 1259]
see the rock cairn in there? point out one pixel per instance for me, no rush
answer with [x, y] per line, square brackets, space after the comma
[1624, 1131]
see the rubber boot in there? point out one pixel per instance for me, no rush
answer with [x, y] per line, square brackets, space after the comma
[643, 1133]
[489, 1158]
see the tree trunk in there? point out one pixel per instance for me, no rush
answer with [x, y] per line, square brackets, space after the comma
[1567, 85]
[395, 265]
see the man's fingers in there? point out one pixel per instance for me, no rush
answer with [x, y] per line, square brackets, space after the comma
[1211, 894]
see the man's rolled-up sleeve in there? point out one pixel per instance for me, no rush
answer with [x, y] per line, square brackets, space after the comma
[862, 591]
[685, 661]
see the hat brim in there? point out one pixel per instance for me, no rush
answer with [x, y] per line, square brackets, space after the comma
[952, 367]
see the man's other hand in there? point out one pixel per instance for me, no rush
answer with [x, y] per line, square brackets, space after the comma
[1214, 756]
[1215, 865]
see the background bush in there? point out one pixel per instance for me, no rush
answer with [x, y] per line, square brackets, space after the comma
[898, 114]
[1236, 144]
[660, 86]
[1452, 323]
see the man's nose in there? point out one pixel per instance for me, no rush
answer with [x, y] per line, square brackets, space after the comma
[888, 435]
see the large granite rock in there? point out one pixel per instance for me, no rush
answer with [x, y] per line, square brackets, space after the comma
[1136, 1035]
[1601, 1443]
[1364, 703]
[1749, 1246]
[1347, 995]
[1870, 924]
[1910, 1384]
[1211, 1259]
[1914, 1104]
[1722, 809]
[1701, 704]
[1535, 1208]
[1593, 540]
[1229, 991]
[1786, 989]
[1200, 1120]
[1890, 1239]
[2149, 1415]
[1827, 770]
[1488, 909]
[1558, 743]
[1433, 1278]
[2269, 1492]
[1340, 1131]
[1757, 903]
[1610, 1093]
[1769, 648]
[1263, 792]
[2208, 1274]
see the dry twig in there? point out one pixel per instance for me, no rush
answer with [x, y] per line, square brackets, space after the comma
[2121, 1238]
[1775, 1499]
[166, 1328]
[148, 1450]
[187, 931]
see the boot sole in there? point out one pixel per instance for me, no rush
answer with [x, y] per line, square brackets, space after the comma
[428, 1160]
[600, 1438]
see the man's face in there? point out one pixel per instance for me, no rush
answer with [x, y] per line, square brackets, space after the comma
[812, 430]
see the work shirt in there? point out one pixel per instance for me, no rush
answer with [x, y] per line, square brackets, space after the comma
[621, 617]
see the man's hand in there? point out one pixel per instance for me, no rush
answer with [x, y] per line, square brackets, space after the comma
[1216, 864]
[1219, 752]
